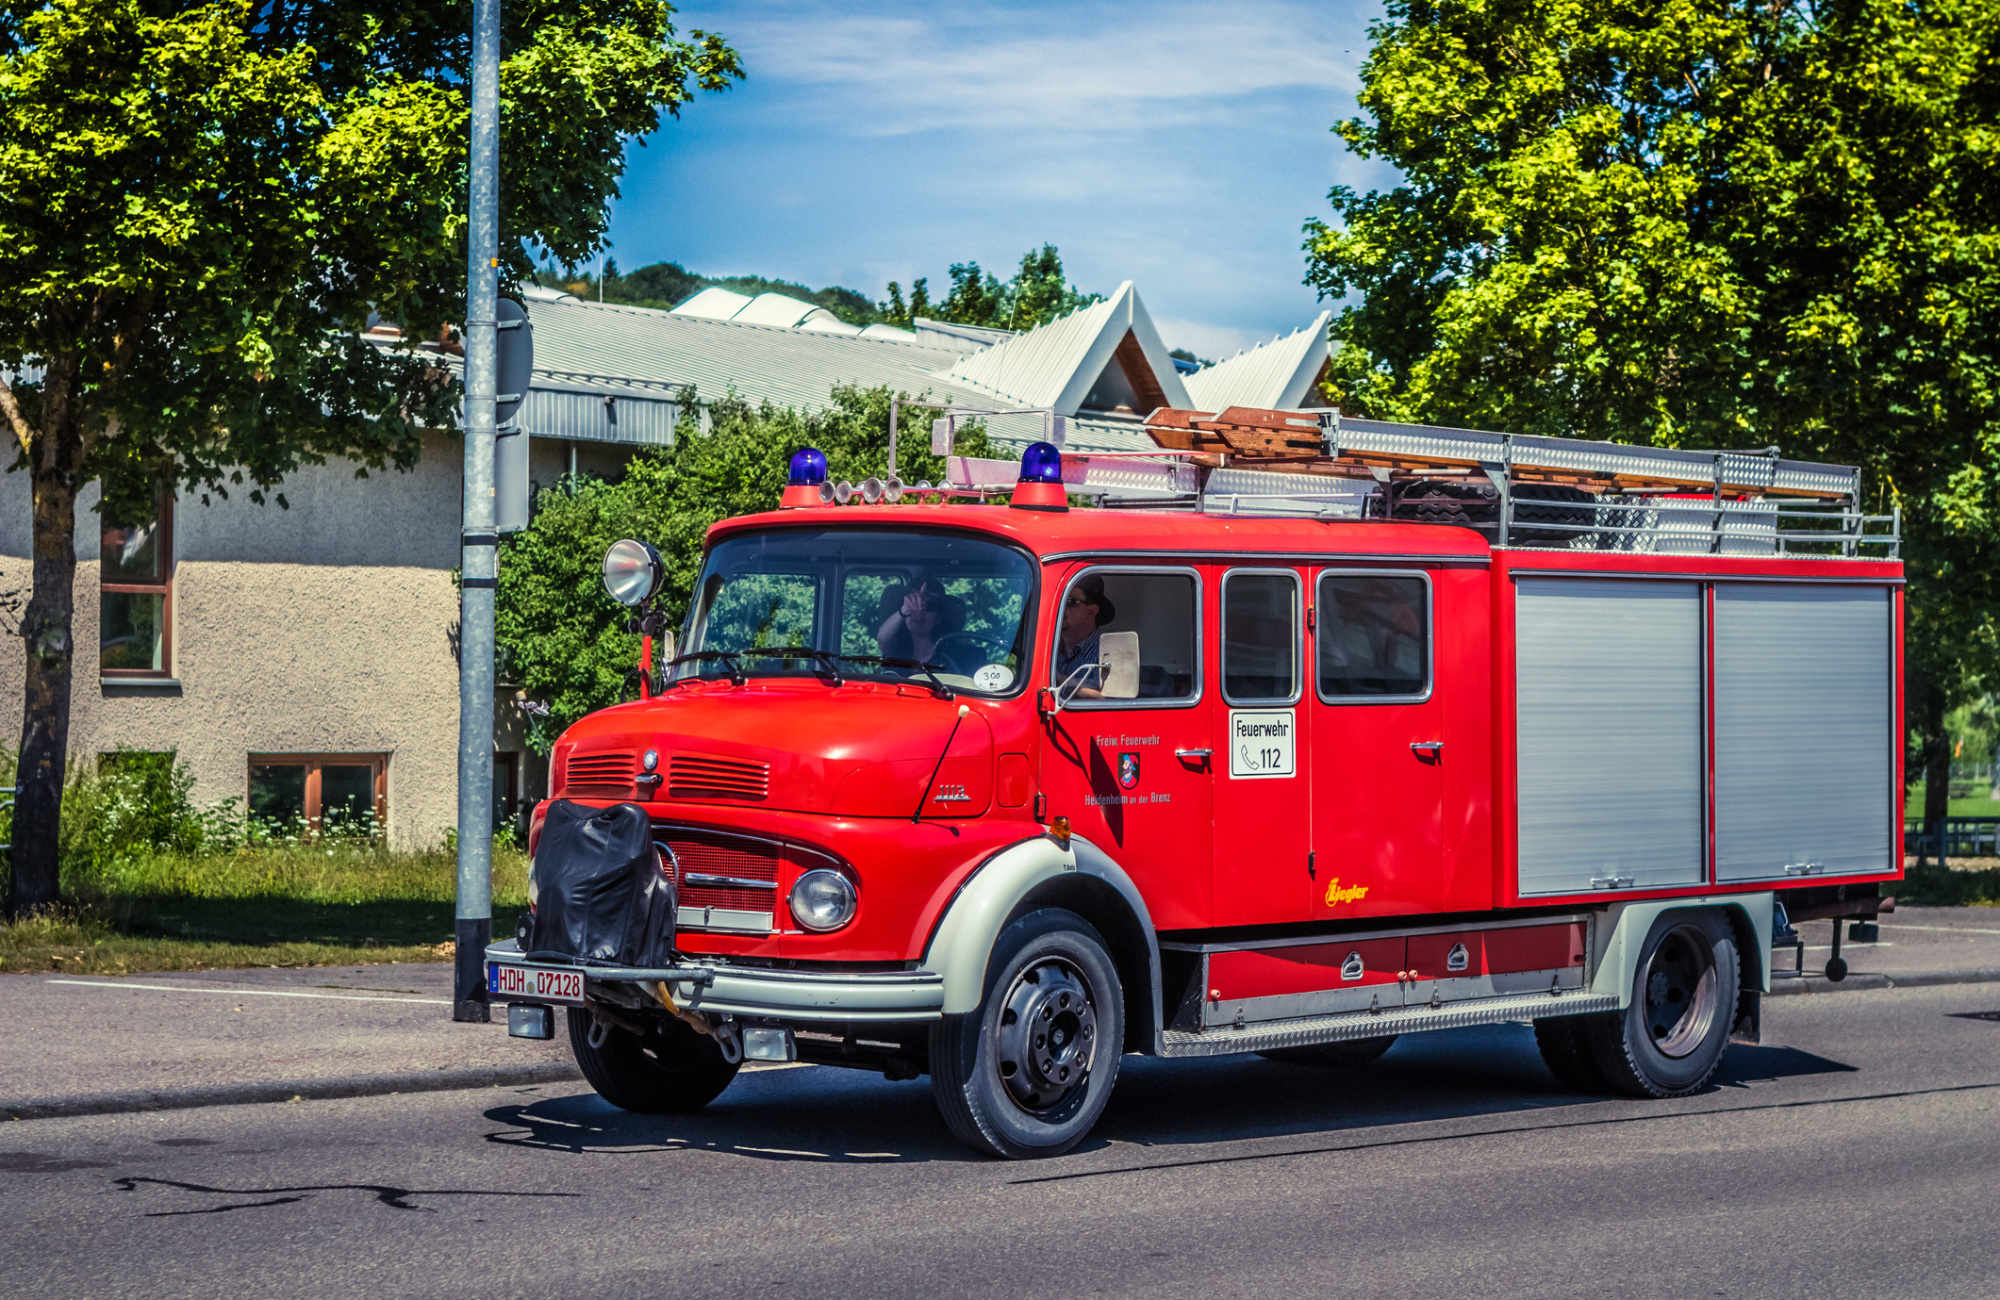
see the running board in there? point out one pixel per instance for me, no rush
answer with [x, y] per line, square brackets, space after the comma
[1349, 1025]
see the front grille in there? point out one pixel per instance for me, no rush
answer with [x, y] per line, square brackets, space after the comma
[706, 853]
[696, 776]
[608, 769]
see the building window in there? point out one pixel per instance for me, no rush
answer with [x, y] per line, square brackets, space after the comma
[506, 784]
[136, 610]
[341, 794]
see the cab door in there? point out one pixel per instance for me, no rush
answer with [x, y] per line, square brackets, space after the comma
[1263, 862]
[1128, 759]
[1377, 747]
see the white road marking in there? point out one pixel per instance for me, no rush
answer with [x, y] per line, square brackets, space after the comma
[246, 993]
[1947, 929]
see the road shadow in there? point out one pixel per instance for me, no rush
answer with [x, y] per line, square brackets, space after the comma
[834, 1116]
[1746, 1065]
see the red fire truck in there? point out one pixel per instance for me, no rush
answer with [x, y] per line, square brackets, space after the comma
[1307, 734]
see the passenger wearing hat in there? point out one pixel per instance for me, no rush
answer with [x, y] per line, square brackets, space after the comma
[1085, 610]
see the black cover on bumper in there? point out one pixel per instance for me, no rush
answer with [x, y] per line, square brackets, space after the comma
[600, 893]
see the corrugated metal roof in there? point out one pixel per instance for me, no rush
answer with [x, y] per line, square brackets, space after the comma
[634, 351]
[1274, 376]
[1057, 364]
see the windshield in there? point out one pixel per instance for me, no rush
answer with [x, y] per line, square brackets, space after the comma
[881, 604]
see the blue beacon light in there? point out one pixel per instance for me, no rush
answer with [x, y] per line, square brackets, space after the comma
[1041, 485]
[805, 479]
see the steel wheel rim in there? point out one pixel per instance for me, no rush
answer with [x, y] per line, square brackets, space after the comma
[1682, 989]
[1046, 1040]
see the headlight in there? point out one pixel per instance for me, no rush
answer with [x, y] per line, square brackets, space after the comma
[823, 900]
[632, 571]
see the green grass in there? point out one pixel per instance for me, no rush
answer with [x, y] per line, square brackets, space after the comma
[1973, 806]
[295, 905]
[1933, 886]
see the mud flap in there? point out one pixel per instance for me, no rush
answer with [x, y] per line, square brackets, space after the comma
[1749, 1027]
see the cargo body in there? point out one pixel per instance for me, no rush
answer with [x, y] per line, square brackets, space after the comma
[1318, 782]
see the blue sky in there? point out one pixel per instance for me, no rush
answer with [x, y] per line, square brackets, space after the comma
[1180, 146]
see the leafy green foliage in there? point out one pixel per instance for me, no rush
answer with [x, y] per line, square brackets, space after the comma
[1036, 295]
[665, 285]
[1695, 224]
[201, 208]
[563, 640]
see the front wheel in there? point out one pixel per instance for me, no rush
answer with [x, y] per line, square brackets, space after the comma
[1669, 1042]
[670, 1071]
[1028, 1073]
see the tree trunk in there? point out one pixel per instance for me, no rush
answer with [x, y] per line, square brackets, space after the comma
[1936, 753]
[46, 633]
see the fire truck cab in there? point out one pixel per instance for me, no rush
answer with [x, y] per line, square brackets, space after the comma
[1402, 729]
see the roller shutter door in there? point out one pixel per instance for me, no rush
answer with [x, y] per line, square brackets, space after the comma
[1804, 730]
[1610, 767]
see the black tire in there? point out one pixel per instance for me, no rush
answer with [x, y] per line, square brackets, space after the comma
[1669, 1042]
[1004, 1089]
[1355, 1051]
[1566, 505]
[1567, 1054]
[668, 1072]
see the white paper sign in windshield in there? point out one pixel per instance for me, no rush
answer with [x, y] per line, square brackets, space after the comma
[1262, 742]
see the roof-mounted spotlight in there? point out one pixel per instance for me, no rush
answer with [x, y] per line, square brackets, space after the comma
[802, 485]
[1041, 485]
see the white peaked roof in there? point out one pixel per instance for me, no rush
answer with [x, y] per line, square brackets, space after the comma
[1274, 376]
[1106, 355]
[714, 303]
[777, 309]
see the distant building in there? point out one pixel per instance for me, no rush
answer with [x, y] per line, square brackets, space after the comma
[303, 660]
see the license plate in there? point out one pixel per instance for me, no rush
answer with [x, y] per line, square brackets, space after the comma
[538, 982]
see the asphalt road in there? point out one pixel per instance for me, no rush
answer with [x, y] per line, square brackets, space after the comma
[1856, 1153]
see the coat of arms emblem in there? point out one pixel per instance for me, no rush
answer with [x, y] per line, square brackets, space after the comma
[1128, 770]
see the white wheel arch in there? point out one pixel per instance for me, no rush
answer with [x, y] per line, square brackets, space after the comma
[963, 940]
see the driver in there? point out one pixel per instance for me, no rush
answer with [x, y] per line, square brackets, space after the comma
[918, 617]
[1085, 611]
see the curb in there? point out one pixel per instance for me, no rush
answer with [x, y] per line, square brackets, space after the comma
[242, 1094]
[1872, 980]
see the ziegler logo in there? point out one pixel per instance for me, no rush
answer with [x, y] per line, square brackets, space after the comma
[1335, 895]
[951, 794]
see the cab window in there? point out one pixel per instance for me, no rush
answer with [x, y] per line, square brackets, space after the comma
[1374, 636]
[1260, 637]
[1128, 636]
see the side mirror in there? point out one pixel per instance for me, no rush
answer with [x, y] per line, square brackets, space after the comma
[1118, 663]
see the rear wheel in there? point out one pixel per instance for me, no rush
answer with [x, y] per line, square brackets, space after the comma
[1669, 1042]
[1355, 1051]
[1028, 1073]
[671, 1070]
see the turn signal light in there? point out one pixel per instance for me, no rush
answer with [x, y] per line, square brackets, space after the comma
[1059, 830]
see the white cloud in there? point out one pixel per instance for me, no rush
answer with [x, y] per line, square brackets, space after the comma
[1090, 68]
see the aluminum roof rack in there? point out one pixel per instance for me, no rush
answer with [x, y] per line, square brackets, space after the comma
[1522, 490]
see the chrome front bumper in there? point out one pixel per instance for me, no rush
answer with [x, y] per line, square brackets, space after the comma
[707, 985]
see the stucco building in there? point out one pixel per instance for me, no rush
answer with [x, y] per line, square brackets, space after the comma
[303, 660]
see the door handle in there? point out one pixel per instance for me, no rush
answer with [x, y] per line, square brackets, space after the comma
[1434, 747]
[1194, 753]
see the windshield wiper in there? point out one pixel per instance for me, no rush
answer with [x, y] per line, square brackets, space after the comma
[727, 657]
[938, 688]
[831, 661]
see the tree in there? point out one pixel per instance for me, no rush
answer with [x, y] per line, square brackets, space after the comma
[1036, 295]
[563, 640]
[200, 209]
[1692, 223]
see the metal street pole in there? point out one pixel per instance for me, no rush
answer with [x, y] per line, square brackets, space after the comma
[476, 537]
